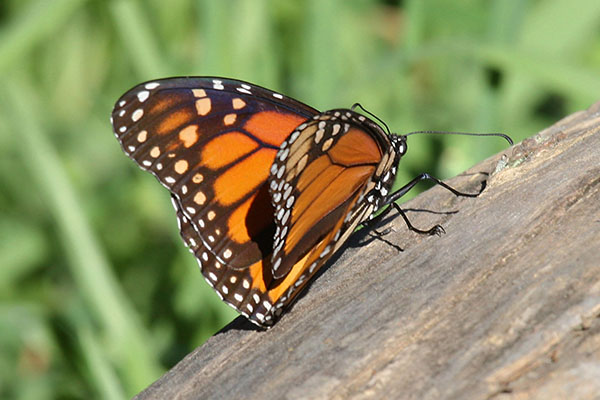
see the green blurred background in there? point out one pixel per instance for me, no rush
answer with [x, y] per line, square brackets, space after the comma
[98, 296]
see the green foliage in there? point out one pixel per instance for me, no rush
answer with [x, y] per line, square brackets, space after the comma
[98, 296]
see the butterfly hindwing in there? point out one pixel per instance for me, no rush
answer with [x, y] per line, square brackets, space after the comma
[236, 287]
[319, 184]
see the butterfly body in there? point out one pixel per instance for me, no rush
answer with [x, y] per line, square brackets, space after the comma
[265, 188]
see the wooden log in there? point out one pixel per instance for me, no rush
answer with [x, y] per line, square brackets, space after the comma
[505, 305]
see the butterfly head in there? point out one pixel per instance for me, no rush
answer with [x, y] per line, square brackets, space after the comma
[399, 144]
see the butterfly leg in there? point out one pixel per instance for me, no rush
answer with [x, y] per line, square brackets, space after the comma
[435, 230]
[406, 188]
[391, 200]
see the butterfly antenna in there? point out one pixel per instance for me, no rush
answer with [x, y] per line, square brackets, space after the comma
[358, 105]
[502, 135]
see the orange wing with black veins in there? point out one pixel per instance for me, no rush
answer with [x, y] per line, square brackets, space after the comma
[211, 143]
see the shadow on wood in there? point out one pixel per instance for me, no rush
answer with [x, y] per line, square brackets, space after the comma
[505, 305]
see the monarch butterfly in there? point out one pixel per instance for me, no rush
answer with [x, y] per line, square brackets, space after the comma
[265, 188]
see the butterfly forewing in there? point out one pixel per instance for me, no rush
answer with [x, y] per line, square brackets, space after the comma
[211, 142]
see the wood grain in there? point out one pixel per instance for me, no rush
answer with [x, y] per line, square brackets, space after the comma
[505, 305]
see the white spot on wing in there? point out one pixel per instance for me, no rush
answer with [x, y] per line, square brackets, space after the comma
[218, 85]
[283, 155]
[143, 95]
[137, 114]
[280, 171]
[285, 217]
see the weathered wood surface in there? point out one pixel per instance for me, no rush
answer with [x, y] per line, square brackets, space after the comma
[505, 305]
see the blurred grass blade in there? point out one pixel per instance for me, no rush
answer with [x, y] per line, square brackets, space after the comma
[254, 49]
[33, 26]
[138, 38]
[127, 342]
[22, 249]
[322, 53]
[541, 32]
[215, 30]
[564, 77]
[104, 377]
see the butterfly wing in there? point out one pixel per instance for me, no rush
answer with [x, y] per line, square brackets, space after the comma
[328, 177]
[211, 142]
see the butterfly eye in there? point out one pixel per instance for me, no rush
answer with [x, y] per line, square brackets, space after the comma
[400, 145]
